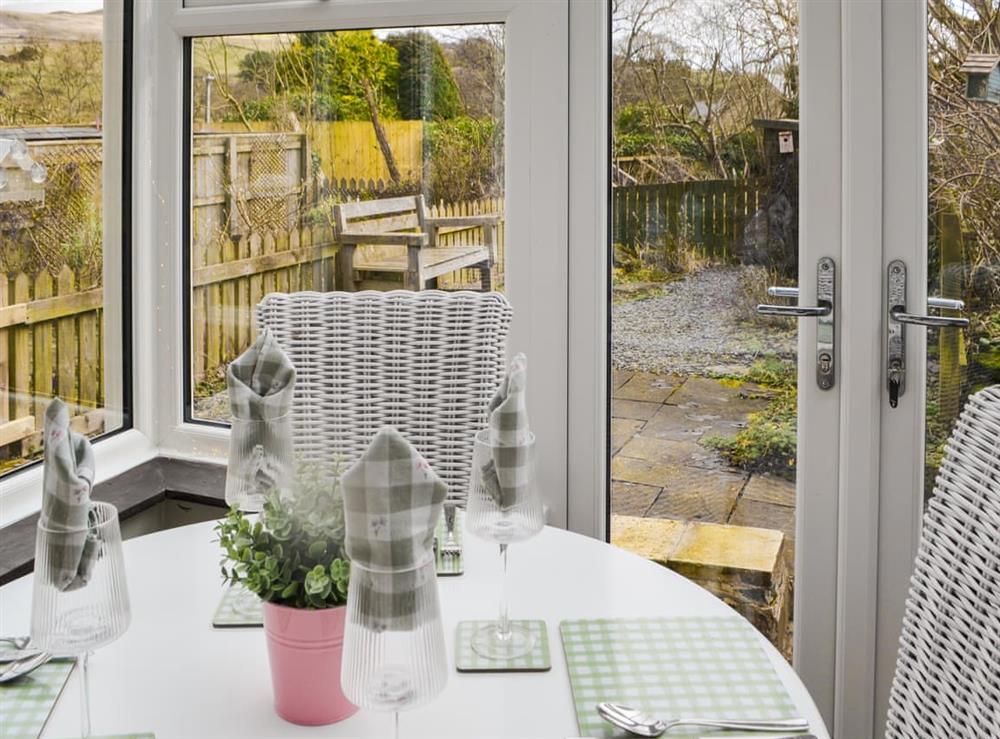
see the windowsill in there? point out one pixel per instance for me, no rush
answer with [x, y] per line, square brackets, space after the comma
[131, 491]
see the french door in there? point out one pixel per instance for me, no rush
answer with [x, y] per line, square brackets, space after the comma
[896, 237]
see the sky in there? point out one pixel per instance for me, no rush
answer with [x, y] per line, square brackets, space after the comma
[51, 6]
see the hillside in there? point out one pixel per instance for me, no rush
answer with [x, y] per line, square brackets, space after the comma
[19, 28]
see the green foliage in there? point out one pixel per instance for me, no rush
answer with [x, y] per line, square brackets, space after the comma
[637, 132]
[294, 555]
[427, 89]
[768, 443]
[328, 75]
[465, 159]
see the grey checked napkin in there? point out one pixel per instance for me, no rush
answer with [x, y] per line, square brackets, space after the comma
[505, 475]
[261, 385]
[392, 503]
[67, 478]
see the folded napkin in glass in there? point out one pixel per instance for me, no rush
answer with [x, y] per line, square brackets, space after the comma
[669, 667]
[67, 479]
[261, 384]
[392, 504]
[505, 474]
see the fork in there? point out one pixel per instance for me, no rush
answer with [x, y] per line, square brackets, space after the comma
[450, 547]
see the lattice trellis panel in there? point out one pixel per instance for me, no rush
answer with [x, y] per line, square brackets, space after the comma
[267, 200]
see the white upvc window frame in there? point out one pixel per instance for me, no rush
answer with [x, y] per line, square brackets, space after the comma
[536, 40]
[20, 491]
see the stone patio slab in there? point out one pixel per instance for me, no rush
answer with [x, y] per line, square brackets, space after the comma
[619, 378]
[648, 387]
[642, 471]
[770, 489]
[729, 549]
[765, 516]
[671, 422]
[632, 499]
[651, 538]
[670, 452]
[695, 494]
[623, 429]
[635, 409]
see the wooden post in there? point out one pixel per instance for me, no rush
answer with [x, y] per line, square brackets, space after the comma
[21, 357]
[43, 349]
[67, 347]
[950, 339]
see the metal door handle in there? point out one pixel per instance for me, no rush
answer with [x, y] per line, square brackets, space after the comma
[826, 283]
[896, 327]
[899, 316]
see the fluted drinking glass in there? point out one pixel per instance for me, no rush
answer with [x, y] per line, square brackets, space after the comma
[517, 516]
[89, 613]
[394, 651]
[261, 459]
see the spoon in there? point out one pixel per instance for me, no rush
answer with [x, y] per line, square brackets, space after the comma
[642, 724]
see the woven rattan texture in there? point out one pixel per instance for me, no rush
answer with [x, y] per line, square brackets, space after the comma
[427, 363]
[947, 682]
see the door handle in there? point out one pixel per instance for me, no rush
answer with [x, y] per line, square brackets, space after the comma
[826, 288]
[898, 320]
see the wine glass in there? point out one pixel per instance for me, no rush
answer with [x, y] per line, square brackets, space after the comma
[504, 506]
[91, 610]
[394, 652]
[260, 460]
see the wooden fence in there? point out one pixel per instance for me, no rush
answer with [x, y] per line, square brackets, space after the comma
[349, 148]
[229, 277]
[709, 215]
[50, 344]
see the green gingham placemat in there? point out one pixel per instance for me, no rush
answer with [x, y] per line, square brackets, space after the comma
[670, 667]
[240, 607]
[449, 566]
[25, 703]
[466, 659]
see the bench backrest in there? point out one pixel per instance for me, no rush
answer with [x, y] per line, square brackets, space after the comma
[380, 216]
[426, 362]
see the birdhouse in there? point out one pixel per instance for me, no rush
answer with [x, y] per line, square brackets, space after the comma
[982, 75]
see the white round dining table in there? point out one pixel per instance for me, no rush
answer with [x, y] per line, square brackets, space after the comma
[175, 675]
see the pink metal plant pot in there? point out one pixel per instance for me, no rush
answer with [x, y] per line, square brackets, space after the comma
[304, 648]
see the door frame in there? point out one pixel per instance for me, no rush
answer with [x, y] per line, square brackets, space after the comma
[837, 499]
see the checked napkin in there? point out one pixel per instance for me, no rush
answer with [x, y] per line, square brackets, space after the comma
[392, 502]
[67, 477]
[505, 474]
[261, 384]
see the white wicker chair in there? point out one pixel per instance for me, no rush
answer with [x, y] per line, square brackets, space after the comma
[427, 363]
[947, 683]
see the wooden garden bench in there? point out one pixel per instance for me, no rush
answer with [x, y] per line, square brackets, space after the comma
[396, 235]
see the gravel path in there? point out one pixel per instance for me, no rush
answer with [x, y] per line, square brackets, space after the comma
[693, 326]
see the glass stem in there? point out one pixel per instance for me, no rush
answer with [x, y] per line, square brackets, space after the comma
[395, 726]
[503, 620]
[81, 662]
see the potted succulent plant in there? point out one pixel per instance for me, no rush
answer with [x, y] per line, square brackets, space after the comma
[293, 558]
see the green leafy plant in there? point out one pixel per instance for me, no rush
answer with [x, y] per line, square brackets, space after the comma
[294, 555]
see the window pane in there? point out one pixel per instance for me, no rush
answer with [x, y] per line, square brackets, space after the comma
[288, 129]
[53, 312]
[705, 216]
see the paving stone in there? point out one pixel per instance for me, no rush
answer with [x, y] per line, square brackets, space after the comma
[764, 515]
[623, 429]
[670, 452]
[652, 538]
[746, 567]
[632, 499]
[648, 387]
[672, 422]
[704, 391]
[694, 494]
[642, 471]
[771, 489]
[635, 409]
[619, 378]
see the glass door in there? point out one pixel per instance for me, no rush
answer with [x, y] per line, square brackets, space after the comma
[942, 229]
[725, 251]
